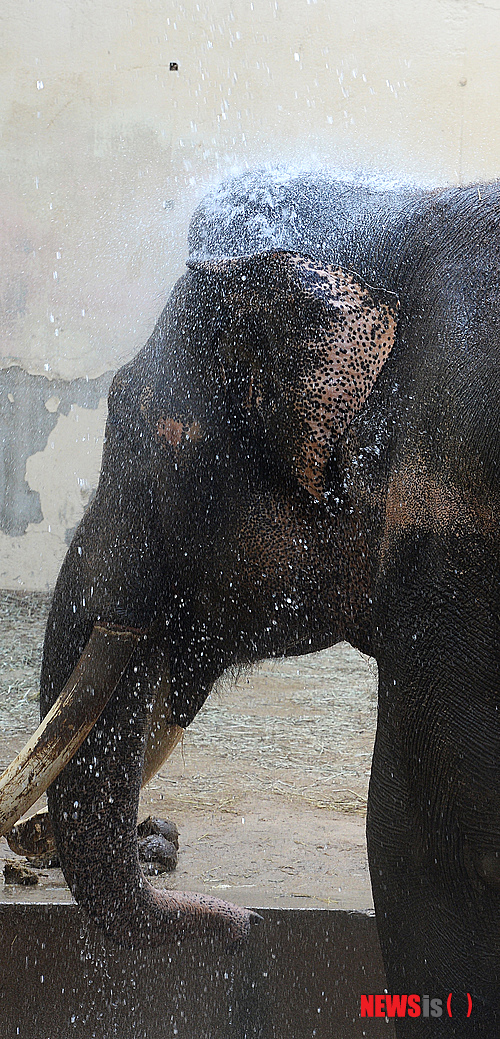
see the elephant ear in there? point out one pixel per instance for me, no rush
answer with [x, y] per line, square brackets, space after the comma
[327, 335]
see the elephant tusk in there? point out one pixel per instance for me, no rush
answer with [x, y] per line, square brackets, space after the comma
[69, 721]
[158, 751]
[163, 735]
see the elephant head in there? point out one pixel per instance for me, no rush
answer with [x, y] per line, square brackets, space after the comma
[221, 532]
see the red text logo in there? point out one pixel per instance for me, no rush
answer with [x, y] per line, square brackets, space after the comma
[407, 1005]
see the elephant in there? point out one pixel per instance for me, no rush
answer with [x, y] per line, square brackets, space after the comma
[305, 451]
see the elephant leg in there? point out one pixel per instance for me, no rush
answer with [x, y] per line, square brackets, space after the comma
[428, 929]
[433, 827]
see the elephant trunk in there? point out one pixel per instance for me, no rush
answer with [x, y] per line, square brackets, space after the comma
[93, 804]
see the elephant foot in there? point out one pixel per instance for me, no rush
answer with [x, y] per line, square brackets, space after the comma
[158, 842]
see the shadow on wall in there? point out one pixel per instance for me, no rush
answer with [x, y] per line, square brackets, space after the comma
[29, 409]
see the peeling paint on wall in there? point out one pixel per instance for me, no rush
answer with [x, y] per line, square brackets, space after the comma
[30, 406]
[51, 435]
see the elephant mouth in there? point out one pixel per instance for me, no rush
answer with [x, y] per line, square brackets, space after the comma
[69, 721]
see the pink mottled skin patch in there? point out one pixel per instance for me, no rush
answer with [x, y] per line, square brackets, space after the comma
[171, 430]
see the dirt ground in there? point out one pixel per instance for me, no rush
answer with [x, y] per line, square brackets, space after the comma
[268, 788]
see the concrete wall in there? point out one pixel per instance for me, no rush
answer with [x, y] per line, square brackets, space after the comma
[116, 115]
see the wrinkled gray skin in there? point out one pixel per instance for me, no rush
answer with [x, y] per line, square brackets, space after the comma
[203, 535]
